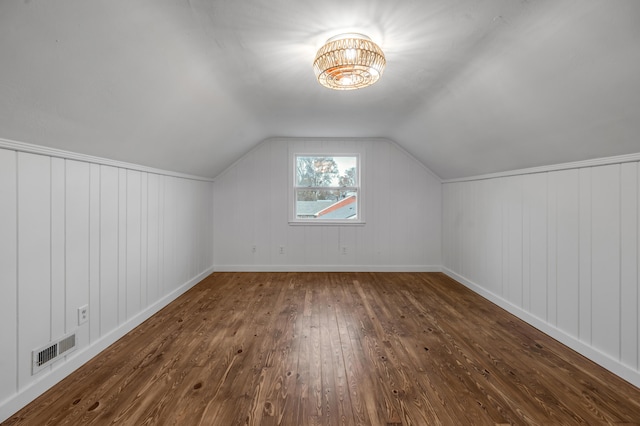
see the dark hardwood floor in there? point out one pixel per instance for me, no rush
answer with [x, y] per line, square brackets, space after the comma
[335, 348]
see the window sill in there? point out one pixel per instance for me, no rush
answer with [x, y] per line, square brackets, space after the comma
[327, 222]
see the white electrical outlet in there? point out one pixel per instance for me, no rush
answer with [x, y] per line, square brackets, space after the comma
[83, 314]
[344, 250]
[254, 249]
[281, 249]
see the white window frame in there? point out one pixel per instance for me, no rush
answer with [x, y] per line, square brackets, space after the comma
[293, 219]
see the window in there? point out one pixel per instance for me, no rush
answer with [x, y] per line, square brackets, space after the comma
[326, 188]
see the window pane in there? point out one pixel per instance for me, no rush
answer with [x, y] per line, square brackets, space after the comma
[326, 204]
[326, 171]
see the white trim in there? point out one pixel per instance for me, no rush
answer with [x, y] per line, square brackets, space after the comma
[59, 153]
[335, 151]
[327, 268]
[62, 369]
[628, 158]
[604, 360]
[326, 222]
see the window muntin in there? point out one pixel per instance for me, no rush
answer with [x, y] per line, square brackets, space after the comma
[326, 188]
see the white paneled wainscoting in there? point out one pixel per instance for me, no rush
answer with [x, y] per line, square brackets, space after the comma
[558, 248]
[74, 231]
[401, 210]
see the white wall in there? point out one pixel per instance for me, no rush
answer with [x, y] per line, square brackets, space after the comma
[124, 241]
[402, 208]
[557, 248]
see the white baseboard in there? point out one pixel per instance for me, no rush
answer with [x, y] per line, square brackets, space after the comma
[611, 364]
[327, 268]
[63, 368]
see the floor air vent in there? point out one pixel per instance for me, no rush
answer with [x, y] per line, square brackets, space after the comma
[46, 355]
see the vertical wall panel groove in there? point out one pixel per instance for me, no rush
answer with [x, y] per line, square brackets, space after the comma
[109, 248]
[17, 266]
[620, 261]
[539, 242]
[94, 252]
[580, 254]
[526, 242]
[606, 259]
[153, 238]
[143, 239]
[568, 251]
[161, 231]
[638, 267]
[523, 252]
[514, 239]
[628, 264]
[34, 257]
[58, 247]
[77, 175]
[134, 231]
[122, 246]
[585, 322]
[552, 249]
[8, 272]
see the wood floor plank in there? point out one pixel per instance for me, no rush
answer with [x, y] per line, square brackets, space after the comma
[354, 374]
[315, 402]
[335, 349]
[337, 385]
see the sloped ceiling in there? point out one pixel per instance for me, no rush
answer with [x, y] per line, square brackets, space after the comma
[471, 87]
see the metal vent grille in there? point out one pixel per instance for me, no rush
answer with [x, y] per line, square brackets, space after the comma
[67, 344]
[44, 356]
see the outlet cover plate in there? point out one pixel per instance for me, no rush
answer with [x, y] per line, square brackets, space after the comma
[83, 314]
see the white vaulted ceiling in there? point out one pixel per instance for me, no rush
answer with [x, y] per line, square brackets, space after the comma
[471, 86]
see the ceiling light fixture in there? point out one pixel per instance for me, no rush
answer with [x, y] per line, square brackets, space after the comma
[349, 61]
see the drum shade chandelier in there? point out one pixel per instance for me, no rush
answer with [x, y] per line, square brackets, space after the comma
[349, 61]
